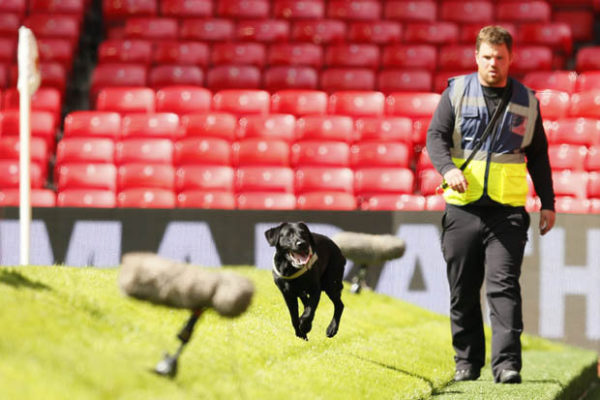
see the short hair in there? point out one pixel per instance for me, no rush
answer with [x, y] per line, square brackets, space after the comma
[494, 34]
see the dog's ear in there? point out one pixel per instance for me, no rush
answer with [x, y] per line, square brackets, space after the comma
[272, 235]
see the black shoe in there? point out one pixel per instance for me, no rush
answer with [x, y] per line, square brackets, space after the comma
[467, 374]
[509, 376]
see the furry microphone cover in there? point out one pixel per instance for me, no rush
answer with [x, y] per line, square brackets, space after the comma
[364, 248]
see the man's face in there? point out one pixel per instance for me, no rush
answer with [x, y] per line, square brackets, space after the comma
[493, 62]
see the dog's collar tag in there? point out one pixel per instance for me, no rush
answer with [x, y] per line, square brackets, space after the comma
[313, 259]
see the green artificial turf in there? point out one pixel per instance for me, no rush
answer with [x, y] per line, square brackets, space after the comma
[69, 333]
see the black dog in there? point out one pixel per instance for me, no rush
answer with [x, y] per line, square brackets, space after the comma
[305, 264]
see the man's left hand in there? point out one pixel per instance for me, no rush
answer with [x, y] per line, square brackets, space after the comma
[547, 218]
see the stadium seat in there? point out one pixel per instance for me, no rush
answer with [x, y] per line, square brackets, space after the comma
[440, 79]
[394, 202]
[567, 156]
[357, 104]
[437, 33]
[146, 198]
[523, 11]
[210, 124]
[151, 28]
[381, 154]
[411, 80]
[424, 161]
[467, 11]
[168, 75]
[86, 176]
[117, 75]
[292, 53]
[281, 77]
[533, 204]
[570, 183]
[578, 131]
[180, 53]
[44, 99]
[334, 79]
[53, 74]
[570, 205]
[457, 57]
[563, 81]
[135, 51]
[594, 185]
[265, 201]
[97, 198]
[85, 150]
[322, 31]
[154, 125]
[263, 30]
[469, 31]
[553, 104]
[320, 153]
[411, 11]
[435, 203]
[355, 10]
[554, 34]
[261, 151]
[242, 102]
[203, 150]
[594, 206]
[144, 150]
[585, 104]
[119, 10]
[390, 129]
[299, 9]
[239, 53]
[186, 8]
[415, 104]
[39, 197]
[43, 124]
[580, 21]
[54, 26]
[268, 126]
[56, 50]
[592, 163]
[531, 58]
[18, 7]
[92, 123]
[380, 32]
[588, 80]
[233, 77]
[9, 24]
[319, 179]
[369, 181]
[325, 127]
[299, 102]
[326, 201]
[207, 30]
[429, 180]
[144, 175]
[264, 179]
[38, 149]
[243, 9]
[183, 99]
[126, 100]
[421, 56]
[352, 55]
[219, 178]
[206, 199]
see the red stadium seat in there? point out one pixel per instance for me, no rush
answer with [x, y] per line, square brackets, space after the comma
[319, 179]
[457, 57]
[290, 53]
[563, 81]
[39, 198]
[239, 53]
[352, 55]
[152, 28]
[299, 9]
[135, 51]
[357, 104]
[429, 180]
[3, 76]
[421, 56]
[438, 33]
[85, 150]
[381, 154]
[126, 100]
[567, 156]
[10, 174]
[320, 153]
[594, 185]
[435, 203]
[355, 10]
[468, 32]
[97, 198]
[595, 206]
[397, 80]
[264, 179]
[54, 26]
[266, 201]
[92, 123]
[242, 102]
[257, 151]
[38, 149]
[424, 161]
[299, 102]
[377, 32]
[181, 53]
[469, 11]
[207, 30]
[572, 205]
[233, 77]
[553, 104]
[56, 50]
[570, 183]
[86, 176]
[119, 10]
[43, 124]
[144, 150]
[181, 99]
[554, 34]
[391, 129]
[53, 74]
[263, 30]
[269, 126]
[44, 99]
[18, 7]
[334, 79]
[397, 202]
[186, 8]
[210, 124]
[169, 75]
[531, 58]
[325, 127]
[592, 163]
[146, 198]
[117, 75]
[243, 9]
[206, 199]
[440, 79]
[297, 77]
[524, 11]
[322, 31]
[203, 150]
[326, 201]
[370, 181]
[411, 11]
[412, 104]
[585, 104]
[155, 125]
[143, 175]
[219, 178]
[588, 80]
[580, 21]
[579, 131]
[8, 49]
[9, 25]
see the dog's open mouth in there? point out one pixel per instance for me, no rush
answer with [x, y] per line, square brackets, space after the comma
[300, 259]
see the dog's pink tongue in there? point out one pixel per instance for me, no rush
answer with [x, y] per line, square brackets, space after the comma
[301, 259]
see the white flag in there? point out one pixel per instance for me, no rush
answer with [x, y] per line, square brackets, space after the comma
[29, 62]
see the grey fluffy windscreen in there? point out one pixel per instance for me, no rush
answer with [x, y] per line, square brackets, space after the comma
[364, 248]
[148, 277]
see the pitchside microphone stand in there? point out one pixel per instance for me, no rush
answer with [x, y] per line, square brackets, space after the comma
[168, 365]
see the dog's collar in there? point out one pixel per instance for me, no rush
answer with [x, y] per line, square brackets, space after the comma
[313, 258]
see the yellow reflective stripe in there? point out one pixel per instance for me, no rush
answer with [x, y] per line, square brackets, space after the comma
[511, 158]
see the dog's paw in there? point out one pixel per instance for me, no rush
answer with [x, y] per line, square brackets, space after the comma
[332, 329]
[305, 325]
[302, 335]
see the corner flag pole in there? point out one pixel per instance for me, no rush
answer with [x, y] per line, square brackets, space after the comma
[29, 81]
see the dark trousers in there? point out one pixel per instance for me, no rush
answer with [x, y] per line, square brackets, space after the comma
[485, 242]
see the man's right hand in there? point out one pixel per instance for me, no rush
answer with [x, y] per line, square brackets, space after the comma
[456, 180]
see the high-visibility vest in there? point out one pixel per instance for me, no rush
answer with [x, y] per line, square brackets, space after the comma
[499, 167]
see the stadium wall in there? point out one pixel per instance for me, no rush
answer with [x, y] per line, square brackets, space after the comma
[560, 277]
